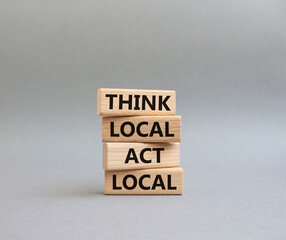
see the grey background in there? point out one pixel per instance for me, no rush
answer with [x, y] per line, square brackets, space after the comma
[227, 62]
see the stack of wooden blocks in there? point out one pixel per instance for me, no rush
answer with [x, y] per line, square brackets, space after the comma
[141, 141]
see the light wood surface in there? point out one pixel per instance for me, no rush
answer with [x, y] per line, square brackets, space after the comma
[147, 181]
[141, 129]
[123, 156]
[135, 102]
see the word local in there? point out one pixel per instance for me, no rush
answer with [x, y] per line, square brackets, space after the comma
[156, 129]
[158, 182]
[136, 101]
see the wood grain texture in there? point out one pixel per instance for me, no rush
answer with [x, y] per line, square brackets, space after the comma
[123, 156]
[147, 181]
[139, 104]
[130, 129]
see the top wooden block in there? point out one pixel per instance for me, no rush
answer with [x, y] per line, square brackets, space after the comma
[123, 102]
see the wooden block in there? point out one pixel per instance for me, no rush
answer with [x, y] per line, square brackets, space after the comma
[141, 129]
[123, 156]
[147, 181]
[116, 102]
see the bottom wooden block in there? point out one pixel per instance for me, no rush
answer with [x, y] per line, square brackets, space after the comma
[147, 181]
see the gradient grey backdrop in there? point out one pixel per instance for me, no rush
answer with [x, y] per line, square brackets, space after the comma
[227, 62]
